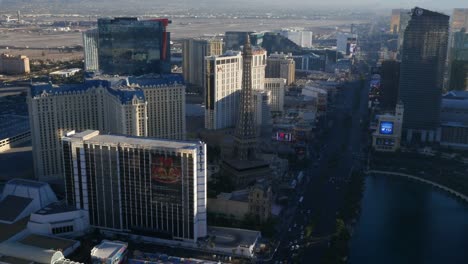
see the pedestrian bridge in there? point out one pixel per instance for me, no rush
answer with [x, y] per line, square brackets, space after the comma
[445, 188]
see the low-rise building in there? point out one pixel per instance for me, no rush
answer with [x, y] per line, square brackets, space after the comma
[230, 205]
[454, 120]
[20, 201]
[389, 128]
[59, 219]
[65, 73]
[233, 241]
[22, 197]
[109, 252]
[278, 166]
[254, 201]
[14, 64]
[260, 200]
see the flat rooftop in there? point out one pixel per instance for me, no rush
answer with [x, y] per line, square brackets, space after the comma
[107, 249]
[13, 260]
[12, 206]
[46, 242]
[133, 141]
[246, 165]
[55, 208]
[240, 196]
[27, 183]
[9, 230]
[233, 237]
[164, 258]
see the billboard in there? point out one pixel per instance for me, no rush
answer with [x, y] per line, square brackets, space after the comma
[165, 170]
[166, 178]
[283, 136]
[386, 128]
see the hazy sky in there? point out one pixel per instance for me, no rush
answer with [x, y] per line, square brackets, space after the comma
[244, 4]
[437, 4]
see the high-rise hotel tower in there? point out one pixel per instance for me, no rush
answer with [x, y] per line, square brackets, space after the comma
[137, 185]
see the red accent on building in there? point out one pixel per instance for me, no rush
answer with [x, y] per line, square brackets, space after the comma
[165, 22]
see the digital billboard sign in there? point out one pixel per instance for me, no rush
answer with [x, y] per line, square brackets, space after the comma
[282, 136]
[386, 128]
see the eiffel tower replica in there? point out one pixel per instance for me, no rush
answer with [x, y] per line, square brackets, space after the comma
[244, 167]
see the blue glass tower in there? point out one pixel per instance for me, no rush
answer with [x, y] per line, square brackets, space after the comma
[128, 46]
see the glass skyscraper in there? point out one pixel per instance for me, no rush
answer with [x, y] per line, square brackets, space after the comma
[128, 46]
[390, 72]
[458, 62]
[424, 53]
[90, 44]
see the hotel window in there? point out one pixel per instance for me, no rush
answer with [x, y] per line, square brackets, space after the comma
[62, 229]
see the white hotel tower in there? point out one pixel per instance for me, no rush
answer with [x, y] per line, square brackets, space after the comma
[224, 83]
[136, 185]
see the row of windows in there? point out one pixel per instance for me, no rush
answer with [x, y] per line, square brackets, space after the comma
[62, 229]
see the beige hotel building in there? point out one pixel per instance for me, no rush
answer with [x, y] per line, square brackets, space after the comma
[223, 85]
[129, 106]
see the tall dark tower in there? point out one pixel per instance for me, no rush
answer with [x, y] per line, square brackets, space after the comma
[424, 53]
[245, 138]
[390, 71]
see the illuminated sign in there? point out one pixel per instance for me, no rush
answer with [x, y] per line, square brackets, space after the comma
[386, 128]
[201, 158]
[282, 136]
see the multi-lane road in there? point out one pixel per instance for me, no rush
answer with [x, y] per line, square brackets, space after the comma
[326, 175]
